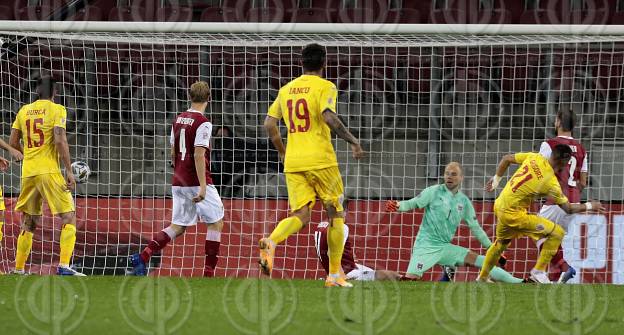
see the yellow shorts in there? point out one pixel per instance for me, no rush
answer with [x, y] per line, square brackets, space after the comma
[52, 187]
[518, 223]
[305, 186]
[1, 201]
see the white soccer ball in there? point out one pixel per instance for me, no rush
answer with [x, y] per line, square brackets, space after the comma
[81, 171]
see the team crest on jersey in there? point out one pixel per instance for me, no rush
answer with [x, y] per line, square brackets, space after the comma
[460, 208]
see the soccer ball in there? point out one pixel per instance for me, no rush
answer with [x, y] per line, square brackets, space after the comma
[81, 171]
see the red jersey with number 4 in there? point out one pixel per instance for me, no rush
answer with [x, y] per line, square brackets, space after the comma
[568, 177]
[320, 241]
[190, 129]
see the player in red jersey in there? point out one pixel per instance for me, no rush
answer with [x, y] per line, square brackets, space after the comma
[350, 266]
[194, 196]
[572, 179]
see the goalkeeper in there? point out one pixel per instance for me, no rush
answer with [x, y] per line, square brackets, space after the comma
[445, 207]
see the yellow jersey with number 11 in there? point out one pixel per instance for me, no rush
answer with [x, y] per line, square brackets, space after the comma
[301, 104]
[36, 121]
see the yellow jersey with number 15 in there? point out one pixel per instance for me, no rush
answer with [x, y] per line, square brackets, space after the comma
[301, 104]
[36, 121]
[534, 178]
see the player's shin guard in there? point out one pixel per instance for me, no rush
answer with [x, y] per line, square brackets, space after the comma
[160, 240]
[213, 242]
[491, 258]
[285, 228]
[24, 244]
[67, 242]
[549, 248]
[335, 241]
[497, 273]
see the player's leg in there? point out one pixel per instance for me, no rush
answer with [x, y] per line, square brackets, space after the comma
[541, 227]
[210, 210]
[423, 258]
[2, 208]
[328, 186]
[497, 273]
[301, 197]
[555, 214]
[30, 203]
[505, 232]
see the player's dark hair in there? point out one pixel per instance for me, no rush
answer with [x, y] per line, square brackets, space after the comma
[46, 87]
[567, 119]
[313, 57]
[562, 152]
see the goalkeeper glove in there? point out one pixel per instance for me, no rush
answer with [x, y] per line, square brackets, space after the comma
[392, 206]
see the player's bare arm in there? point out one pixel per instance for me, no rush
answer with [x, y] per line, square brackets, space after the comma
[17, 155]
[60, 141]
[502, 168]
[590, 206]
[333, 121]
[271, 125]
[582, 182]
[14, 141]
[200, 169]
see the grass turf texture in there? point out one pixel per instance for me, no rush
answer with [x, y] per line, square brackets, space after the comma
[118, 305]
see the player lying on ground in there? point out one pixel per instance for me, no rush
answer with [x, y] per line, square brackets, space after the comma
[308, 106]
[41, 128]
[353, 270]
[194, 196]
[534, 178]
[572, 179]
[445, 206]
[4, 165]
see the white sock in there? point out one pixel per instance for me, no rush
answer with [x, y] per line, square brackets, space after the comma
[213, 235]
[170, 232]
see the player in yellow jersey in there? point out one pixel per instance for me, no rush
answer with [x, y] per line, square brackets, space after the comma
[534, 178]
[307, 105]
[4, 165]
[41, 128]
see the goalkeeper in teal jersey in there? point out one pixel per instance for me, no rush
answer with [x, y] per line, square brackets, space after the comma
[445, 206]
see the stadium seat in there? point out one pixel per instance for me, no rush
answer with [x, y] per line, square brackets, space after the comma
[130, 13]
[265, 14]
[221, 14]
[312, 15]
[6, 13]
[89, 13]
[405, 15]
[493, 16]
[35, 13]
[174, 14]
[357, 15]
[538, 16]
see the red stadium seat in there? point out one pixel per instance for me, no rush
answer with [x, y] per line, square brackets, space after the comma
[131, 13]
[405, 15]
[6, 13]
[266, 14]
[35, 13]
[174, 14]
[225, 14]
[312, 15]
[356, 15]
[538, 16]
[88, 13]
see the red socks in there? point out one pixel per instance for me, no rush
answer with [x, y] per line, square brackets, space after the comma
[559, 262]
[158, 243]
[212, 257]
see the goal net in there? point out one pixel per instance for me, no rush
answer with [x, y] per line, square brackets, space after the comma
[416, 101]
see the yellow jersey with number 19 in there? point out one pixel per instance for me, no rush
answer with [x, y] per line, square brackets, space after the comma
[36, 121]
[534, 178]
[301, 104]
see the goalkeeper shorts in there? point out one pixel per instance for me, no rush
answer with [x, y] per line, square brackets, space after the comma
[425, 257]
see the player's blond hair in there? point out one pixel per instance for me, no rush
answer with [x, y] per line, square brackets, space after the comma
[199, 92]
[456, 164]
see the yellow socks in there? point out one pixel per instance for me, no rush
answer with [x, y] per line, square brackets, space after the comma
[285, 228]
[549, 248]
[24, 244]
[335, 242]
[491, 258]
[67, 241]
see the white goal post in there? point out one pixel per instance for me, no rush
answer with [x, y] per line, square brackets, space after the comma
[418, 96]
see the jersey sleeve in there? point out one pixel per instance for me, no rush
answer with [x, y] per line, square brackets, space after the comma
[328, 98]
[470, 217]
[554, 191]
[421, 201]
[276, 109]
[545, 150]
[202, 136]
[60, 118]
[522, 156]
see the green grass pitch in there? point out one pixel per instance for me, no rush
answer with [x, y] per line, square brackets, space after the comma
[130, 305]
